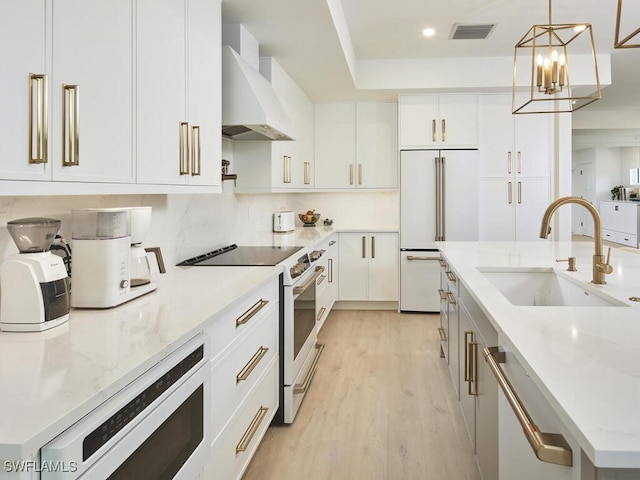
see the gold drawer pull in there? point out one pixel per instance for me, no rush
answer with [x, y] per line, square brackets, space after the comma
[442, 293]
[443, 334]
[473, 369]
[442, 263]
[245, 441]
[451, 276]
[320, 313]
[246, 316]
[196, 150]
[251, 365]
[42, 119]
[548, 447]
[185, 148]
[302, 388]
[452, 299]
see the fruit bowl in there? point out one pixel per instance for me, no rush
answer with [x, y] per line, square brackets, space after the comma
[309, 219]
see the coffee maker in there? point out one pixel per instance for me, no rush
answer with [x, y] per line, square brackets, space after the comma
[34, 286]
[140, 269]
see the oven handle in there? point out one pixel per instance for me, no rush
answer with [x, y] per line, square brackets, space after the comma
[302, 388]
[303, 288]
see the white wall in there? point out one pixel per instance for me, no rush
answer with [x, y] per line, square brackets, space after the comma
[187, 225]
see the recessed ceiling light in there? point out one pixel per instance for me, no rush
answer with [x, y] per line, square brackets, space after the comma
[428, 32]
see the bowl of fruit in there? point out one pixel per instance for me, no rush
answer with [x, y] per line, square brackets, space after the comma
[310, 218]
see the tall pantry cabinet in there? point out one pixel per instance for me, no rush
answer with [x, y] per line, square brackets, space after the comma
[517, 154]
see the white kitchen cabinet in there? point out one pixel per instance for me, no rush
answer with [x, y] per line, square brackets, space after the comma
[21, 24]
[368, 267]
[327, 283]
[273, 166]
[88, 107]
[92, 92]
[513, 145]
[512, 209]
[356, 145]
[620, 222]
[449, 322]
[442, 121]
[178, 92]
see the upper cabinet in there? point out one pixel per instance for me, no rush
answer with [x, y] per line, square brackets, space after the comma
[279, 165]
[356, 145]
[94, 88]
[178, 94]
[438, 121]
[513, 145]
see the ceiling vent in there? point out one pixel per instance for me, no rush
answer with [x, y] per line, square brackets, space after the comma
[471, 32]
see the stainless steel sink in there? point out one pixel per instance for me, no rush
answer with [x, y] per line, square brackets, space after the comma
[545, 287]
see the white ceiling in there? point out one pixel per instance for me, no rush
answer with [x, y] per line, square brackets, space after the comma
[303, 37]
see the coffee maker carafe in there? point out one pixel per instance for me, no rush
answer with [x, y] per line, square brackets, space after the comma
[34, 286]
[140, 270]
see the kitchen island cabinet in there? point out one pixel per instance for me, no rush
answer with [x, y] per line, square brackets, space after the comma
[550, 360]
[620, 222]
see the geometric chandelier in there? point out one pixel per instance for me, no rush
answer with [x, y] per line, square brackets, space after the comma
[625, 42]
[544, 55]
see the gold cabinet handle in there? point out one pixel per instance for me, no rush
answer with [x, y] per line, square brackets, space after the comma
[373, 246]
[249, 314]
[442, 263]
[320, 313]
[451, 276]
[473, 370]
[509, 193]
[359, 174]
[415, 257]
[468, 338]
[519, 192]
[307, 173]
[443, 192]
[330, 265]
[351, 174]
[304, 386]
[452, 299]
[196, 150]
[443, 334]
[184, 148]
[509, 163]
[70, 125]
[249, 433]
[519, 162]
[41, 108]
[251, 364]
[284, 169]
[433, 130]
[442, 293]
[444, 130]
[548, 447]
[364, 246]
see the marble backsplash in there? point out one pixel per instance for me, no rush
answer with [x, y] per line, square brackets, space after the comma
[187, 225]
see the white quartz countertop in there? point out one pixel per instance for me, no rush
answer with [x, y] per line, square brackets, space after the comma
[585, 360]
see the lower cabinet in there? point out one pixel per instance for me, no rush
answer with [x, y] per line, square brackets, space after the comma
[368, 266]
[327, 283]
[245, 380]
[620, 222]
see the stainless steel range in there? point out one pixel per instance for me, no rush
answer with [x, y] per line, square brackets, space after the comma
[299, 347]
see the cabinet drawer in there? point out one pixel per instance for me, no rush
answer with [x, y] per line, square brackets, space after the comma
[235, 374]
[627, 239]
[225, 328]
[609, 235]
[232, 451]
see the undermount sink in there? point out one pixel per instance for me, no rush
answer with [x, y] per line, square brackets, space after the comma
[544, 287]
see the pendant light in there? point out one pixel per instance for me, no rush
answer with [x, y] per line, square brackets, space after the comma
[552, 51]
[625, 42]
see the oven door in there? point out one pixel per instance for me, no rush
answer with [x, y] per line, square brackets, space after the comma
[168, 439]
[299, 323]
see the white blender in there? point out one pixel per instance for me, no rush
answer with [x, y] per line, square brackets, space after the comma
[34, 286]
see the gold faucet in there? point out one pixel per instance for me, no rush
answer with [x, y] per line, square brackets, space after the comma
[601, 267]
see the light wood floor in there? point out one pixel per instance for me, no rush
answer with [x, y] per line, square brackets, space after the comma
[381, 406]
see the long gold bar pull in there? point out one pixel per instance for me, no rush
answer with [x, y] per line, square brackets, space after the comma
[251, 430]
[351, 174]
[373, 246]
[509, 163]
[519, 192]
[70, 125]
[360, 174]
[196, 150]
[548, 447]
[444, 130]
[509, 193]
[42, 119]
[364, 247]
[473, 384]
[433, 130]
[184, 148]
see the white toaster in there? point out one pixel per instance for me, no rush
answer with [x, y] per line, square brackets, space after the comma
[284, 222]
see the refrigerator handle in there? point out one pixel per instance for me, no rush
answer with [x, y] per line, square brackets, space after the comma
[437, 165]
[443, 204]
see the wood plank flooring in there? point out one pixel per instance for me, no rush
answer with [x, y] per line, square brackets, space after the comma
[381, 406]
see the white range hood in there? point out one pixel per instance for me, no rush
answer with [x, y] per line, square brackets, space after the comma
[250, 108]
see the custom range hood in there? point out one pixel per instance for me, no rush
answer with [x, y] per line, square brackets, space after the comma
[250, 108]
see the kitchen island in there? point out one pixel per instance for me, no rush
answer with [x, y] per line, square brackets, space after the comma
[583, 360]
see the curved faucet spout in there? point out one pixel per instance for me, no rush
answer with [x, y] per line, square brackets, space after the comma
[600, 265]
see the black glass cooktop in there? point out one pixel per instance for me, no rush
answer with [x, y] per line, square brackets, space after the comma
[234, 255]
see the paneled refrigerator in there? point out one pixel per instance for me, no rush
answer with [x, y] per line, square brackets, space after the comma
[438, 202]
